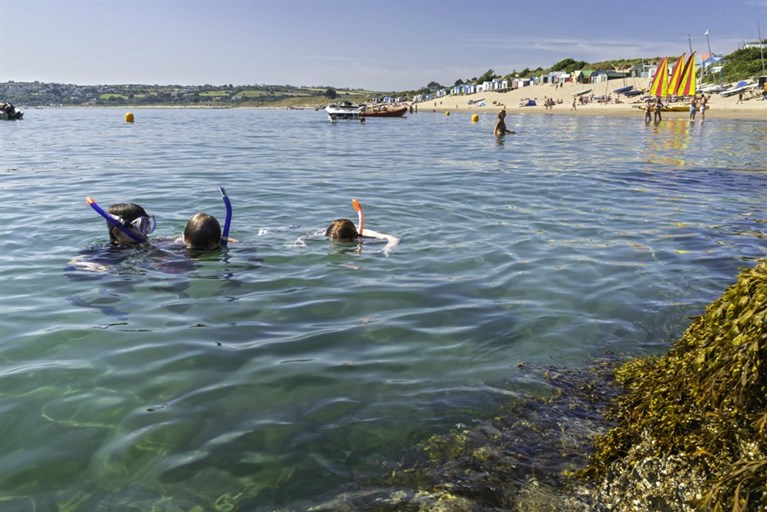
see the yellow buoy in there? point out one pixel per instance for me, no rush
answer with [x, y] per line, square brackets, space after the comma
[475, 118]
[447, 113]
[129, 117]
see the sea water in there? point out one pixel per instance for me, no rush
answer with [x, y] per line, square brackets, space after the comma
[288, 368]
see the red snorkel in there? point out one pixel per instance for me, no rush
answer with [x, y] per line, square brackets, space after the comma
[360, 216]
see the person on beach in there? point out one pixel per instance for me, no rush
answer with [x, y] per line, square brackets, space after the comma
[344, 230]
[703, 101]
[500, 125]
[575, 101]
[202, 233]
[740, 97]
[132, 218]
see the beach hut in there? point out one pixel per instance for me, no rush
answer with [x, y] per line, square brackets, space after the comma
[524, 82]
[641, 70]
[583, 76]
[607, 74]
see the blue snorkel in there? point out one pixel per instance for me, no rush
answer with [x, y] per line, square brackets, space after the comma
[228, 222]
[114, 222]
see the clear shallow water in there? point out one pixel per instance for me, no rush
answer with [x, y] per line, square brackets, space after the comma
[287, 369]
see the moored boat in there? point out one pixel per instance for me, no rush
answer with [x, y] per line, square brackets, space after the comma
[9, 113]
[384, 111]
[344, 110]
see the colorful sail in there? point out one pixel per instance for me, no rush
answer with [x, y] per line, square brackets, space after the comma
[687, 84]
[659, 85]
[676, 75]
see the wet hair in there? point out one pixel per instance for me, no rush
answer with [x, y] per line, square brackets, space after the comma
[202, 232]
[342, 229]
[128, 212]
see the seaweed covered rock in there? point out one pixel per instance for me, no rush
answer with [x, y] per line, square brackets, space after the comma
[694, 422]
[518, 461]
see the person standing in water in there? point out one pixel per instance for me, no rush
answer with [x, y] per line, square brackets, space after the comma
[500, 125]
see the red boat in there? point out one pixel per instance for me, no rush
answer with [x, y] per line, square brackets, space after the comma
[384, 111]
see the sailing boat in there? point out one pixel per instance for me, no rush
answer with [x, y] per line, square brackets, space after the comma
[683, 84]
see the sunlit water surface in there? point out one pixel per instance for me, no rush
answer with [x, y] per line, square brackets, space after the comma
[282, 371]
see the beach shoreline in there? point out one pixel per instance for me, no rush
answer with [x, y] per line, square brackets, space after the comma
[718, 106]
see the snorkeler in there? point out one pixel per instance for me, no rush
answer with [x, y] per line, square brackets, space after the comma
[128, 223]
[345, 230]
[203, 231]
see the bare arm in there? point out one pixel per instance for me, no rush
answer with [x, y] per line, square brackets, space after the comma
[391, 240]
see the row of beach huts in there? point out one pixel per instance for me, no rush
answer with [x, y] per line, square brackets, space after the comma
[584, 76]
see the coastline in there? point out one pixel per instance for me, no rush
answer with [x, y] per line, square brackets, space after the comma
[718, 106]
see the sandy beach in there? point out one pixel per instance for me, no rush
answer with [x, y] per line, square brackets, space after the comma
[718, 106]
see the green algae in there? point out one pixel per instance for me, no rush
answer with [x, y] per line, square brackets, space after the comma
[706, 400]
[517, 460]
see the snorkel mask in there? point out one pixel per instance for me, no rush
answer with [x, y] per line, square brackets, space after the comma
[137, 229]
[143, 225]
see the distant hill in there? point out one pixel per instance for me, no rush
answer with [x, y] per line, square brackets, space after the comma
[223, 96]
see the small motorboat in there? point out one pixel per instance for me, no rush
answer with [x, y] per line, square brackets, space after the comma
[384, 111]
[9, 113]
[344, 110]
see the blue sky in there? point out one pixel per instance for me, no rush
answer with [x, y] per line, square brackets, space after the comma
[387, 45]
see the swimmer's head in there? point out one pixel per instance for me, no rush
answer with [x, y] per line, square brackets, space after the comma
[131, 216]
[202, 232]
[342, 229]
